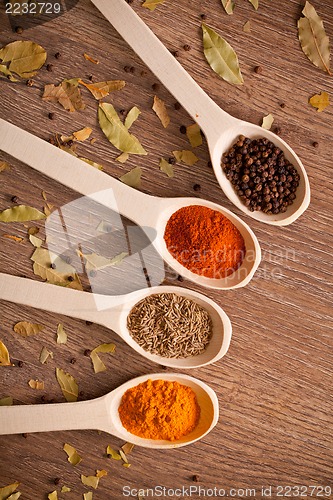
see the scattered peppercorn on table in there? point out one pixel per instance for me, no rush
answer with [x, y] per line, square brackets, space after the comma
[274, 385]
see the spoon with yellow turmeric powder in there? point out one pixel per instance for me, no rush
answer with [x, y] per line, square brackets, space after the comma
[160, 410]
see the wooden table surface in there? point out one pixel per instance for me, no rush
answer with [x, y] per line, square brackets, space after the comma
[275, 384]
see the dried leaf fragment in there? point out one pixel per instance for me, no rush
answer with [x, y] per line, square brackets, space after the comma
[193, 133]
[27, 329]
[68, 385]
[45, 354]
[229, 6]
[255, 3]
[267, 122]
[101, 473]
[14, 496]
[21, 213]
[166, 167]
[35, 241]
[111, 453]
[131, 116]
[221, 56]
[98, 364]
[132, 178]
[90, 59]
[122, 158]
[83, 134]
[4, 355]
[4, 166]
[127, 448]
[88, 496]
[8, 74]
[161, 111]
[247, 27]
[25, 58]
[116, 132]
[73, 456]
[92, 163]
[66, 93]
[7, 401]
[8, 490]
[56, 271]
[320, 101]
[91, 481]
[65, 489]
[103, 89]
[185, 156]
[94, 262]
[36, 384]
[313, 39]
[53, 495]
[61, 335]
[152, 4]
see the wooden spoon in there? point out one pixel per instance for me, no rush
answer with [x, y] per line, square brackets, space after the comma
[220, 128]
[102, 414]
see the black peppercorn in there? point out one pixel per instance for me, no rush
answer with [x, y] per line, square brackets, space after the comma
[49, 67]
[187, 47]
[203, 16]
[57, 55]
[14, 199]
[73, 361]
[51, 116]
[20, 364]
[172, 160]
[57, 480]
[155, 86]
[177, 106]
[182, 129]
[87, 352]
[258, 69]
[19, 30]
[70, 278]
[180, 278]
[197, 187]
[195, 478]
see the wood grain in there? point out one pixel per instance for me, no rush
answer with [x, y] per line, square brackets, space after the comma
[275, 384]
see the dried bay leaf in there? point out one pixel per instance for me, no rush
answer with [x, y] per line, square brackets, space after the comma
[116, 132]
[320, 101]
[131, 116]
[313, 38]
[229, 6]
[94, 262]
[98, 364]
[111, 453]
[132, 178]
[161, 111]
[36, 384]
[7, 401]
[61, 335]
[8, 490]
[194, 135]
[166, 167]
[25, 58]
[54, 270]
[45, 355]
[14, 496]
[255, 3]
[83, 134]
[35, 241]
[103, 89]
[66, 93]
[4, 355]
[267, 122]
[5, 72]
[185, 156]
[4, 166]
[221, 56]
[27, 329]
[21, 213]
[68, 385]
[73, 456]
[152, 4]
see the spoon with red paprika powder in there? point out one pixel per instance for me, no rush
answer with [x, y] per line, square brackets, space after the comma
[103, 413]
[200, 240]
[221, 129]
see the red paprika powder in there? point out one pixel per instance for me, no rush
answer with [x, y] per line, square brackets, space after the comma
[204, 241]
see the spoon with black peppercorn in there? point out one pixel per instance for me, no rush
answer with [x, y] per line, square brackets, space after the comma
[103, 414]
[112, 312]
[270, 199]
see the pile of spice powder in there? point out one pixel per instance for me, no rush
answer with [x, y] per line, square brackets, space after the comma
[159, 409]
[204, 241]
[261, 175]
[170, 325]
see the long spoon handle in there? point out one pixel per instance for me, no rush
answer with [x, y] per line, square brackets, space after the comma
[77, 175]
[54, 417]
[57, 299]
[210, 117]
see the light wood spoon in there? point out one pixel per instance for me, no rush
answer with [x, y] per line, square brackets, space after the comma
[112, 312]
[102, 414]
[220, 128]
[145, 210]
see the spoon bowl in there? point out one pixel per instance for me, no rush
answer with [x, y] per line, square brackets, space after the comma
[102, 414]
[220, 128]
[112, 312]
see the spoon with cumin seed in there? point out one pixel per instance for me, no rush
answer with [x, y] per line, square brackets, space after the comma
[112, 312]
[221, 129]
[102, 414]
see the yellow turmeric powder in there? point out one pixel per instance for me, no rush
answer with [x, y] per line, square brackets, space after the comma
[159, 409]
